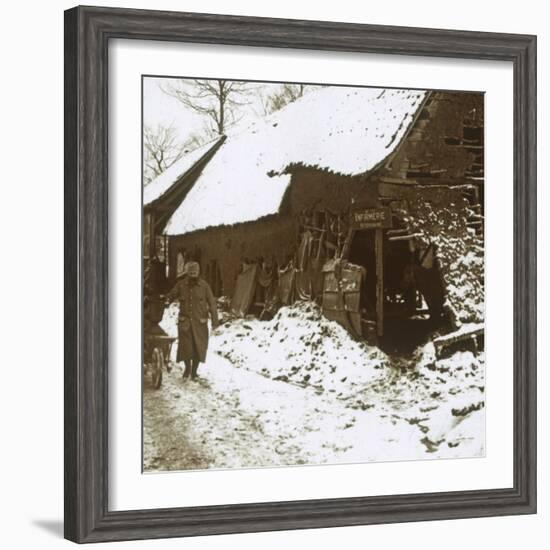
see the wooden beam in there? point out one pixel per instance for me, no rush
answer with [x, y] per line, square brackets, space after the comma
[347, 243]
[405, 237]
[392, 232]
[379, 253]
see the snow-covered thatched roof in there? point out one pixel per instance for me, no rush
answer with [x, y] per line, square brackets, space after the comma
[162, 183]
[347, 131]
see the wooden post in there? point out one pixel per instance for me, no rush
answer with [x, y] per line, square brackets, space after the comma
[379, 253]
[347, 243]
[152, 236]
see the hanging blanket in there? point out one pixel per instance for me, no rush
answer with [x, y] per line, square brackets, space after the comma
[244, 290]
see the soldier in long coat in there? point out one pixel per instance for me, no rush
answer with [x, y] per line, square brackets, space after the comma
[196, 301]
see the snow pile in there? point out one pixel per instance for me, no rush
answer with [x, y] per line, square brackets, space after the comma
[342, 130]
[301, 346]
[460, 252]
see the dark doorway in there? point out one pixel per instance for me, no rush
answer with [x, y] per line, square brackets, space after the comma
[362, 252]
[407, 320]
[414, 295]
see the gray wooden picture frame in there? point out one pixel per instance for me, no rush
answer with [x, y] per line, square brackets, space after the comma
[87, 34]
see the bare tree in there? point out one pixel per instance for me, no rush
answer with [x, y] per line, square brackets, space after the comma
[262, 107]
[162, 149]
[196, 139]
[287, 94]
[218, 100]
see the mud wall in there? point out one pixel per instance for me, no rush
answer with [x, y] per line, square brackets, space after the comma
[273, 238]
[313, 189]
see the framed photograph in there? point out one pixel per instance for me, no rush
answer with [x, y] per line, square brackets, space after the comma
[300, 265]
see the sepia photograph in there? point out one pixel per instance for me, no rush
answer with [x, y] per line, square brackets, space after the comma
[313, 274]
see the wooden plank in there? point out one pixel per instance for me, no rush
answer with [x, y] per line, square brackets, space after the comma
[465, 333]
[405, 237]
[379, 253]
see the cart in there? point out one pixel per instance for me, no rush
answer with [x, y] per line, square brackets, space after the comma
[156, 356]
[157, 345]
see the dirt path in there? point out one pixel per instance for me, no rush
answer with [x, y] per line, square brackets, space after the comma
[168, 442]
[203, 424]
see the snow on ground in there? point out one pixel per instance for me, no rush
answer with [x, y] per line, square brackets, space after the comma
[298, 390]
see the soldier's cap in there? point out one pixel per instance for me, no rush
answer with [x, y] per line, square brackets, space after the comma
[192, 266]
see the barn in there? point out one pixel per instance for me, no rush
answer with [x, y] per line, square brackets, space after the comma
[367, 200]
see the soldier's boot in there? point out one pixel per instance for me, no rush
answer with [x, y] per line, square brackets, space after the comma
[188, 372]
[195, 366]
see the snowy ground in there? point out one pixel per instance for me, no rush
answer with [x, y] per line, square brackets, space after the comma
[298, 390]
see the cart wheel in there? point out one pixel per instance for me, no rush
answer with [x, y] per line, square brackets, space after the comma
[157, 366]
